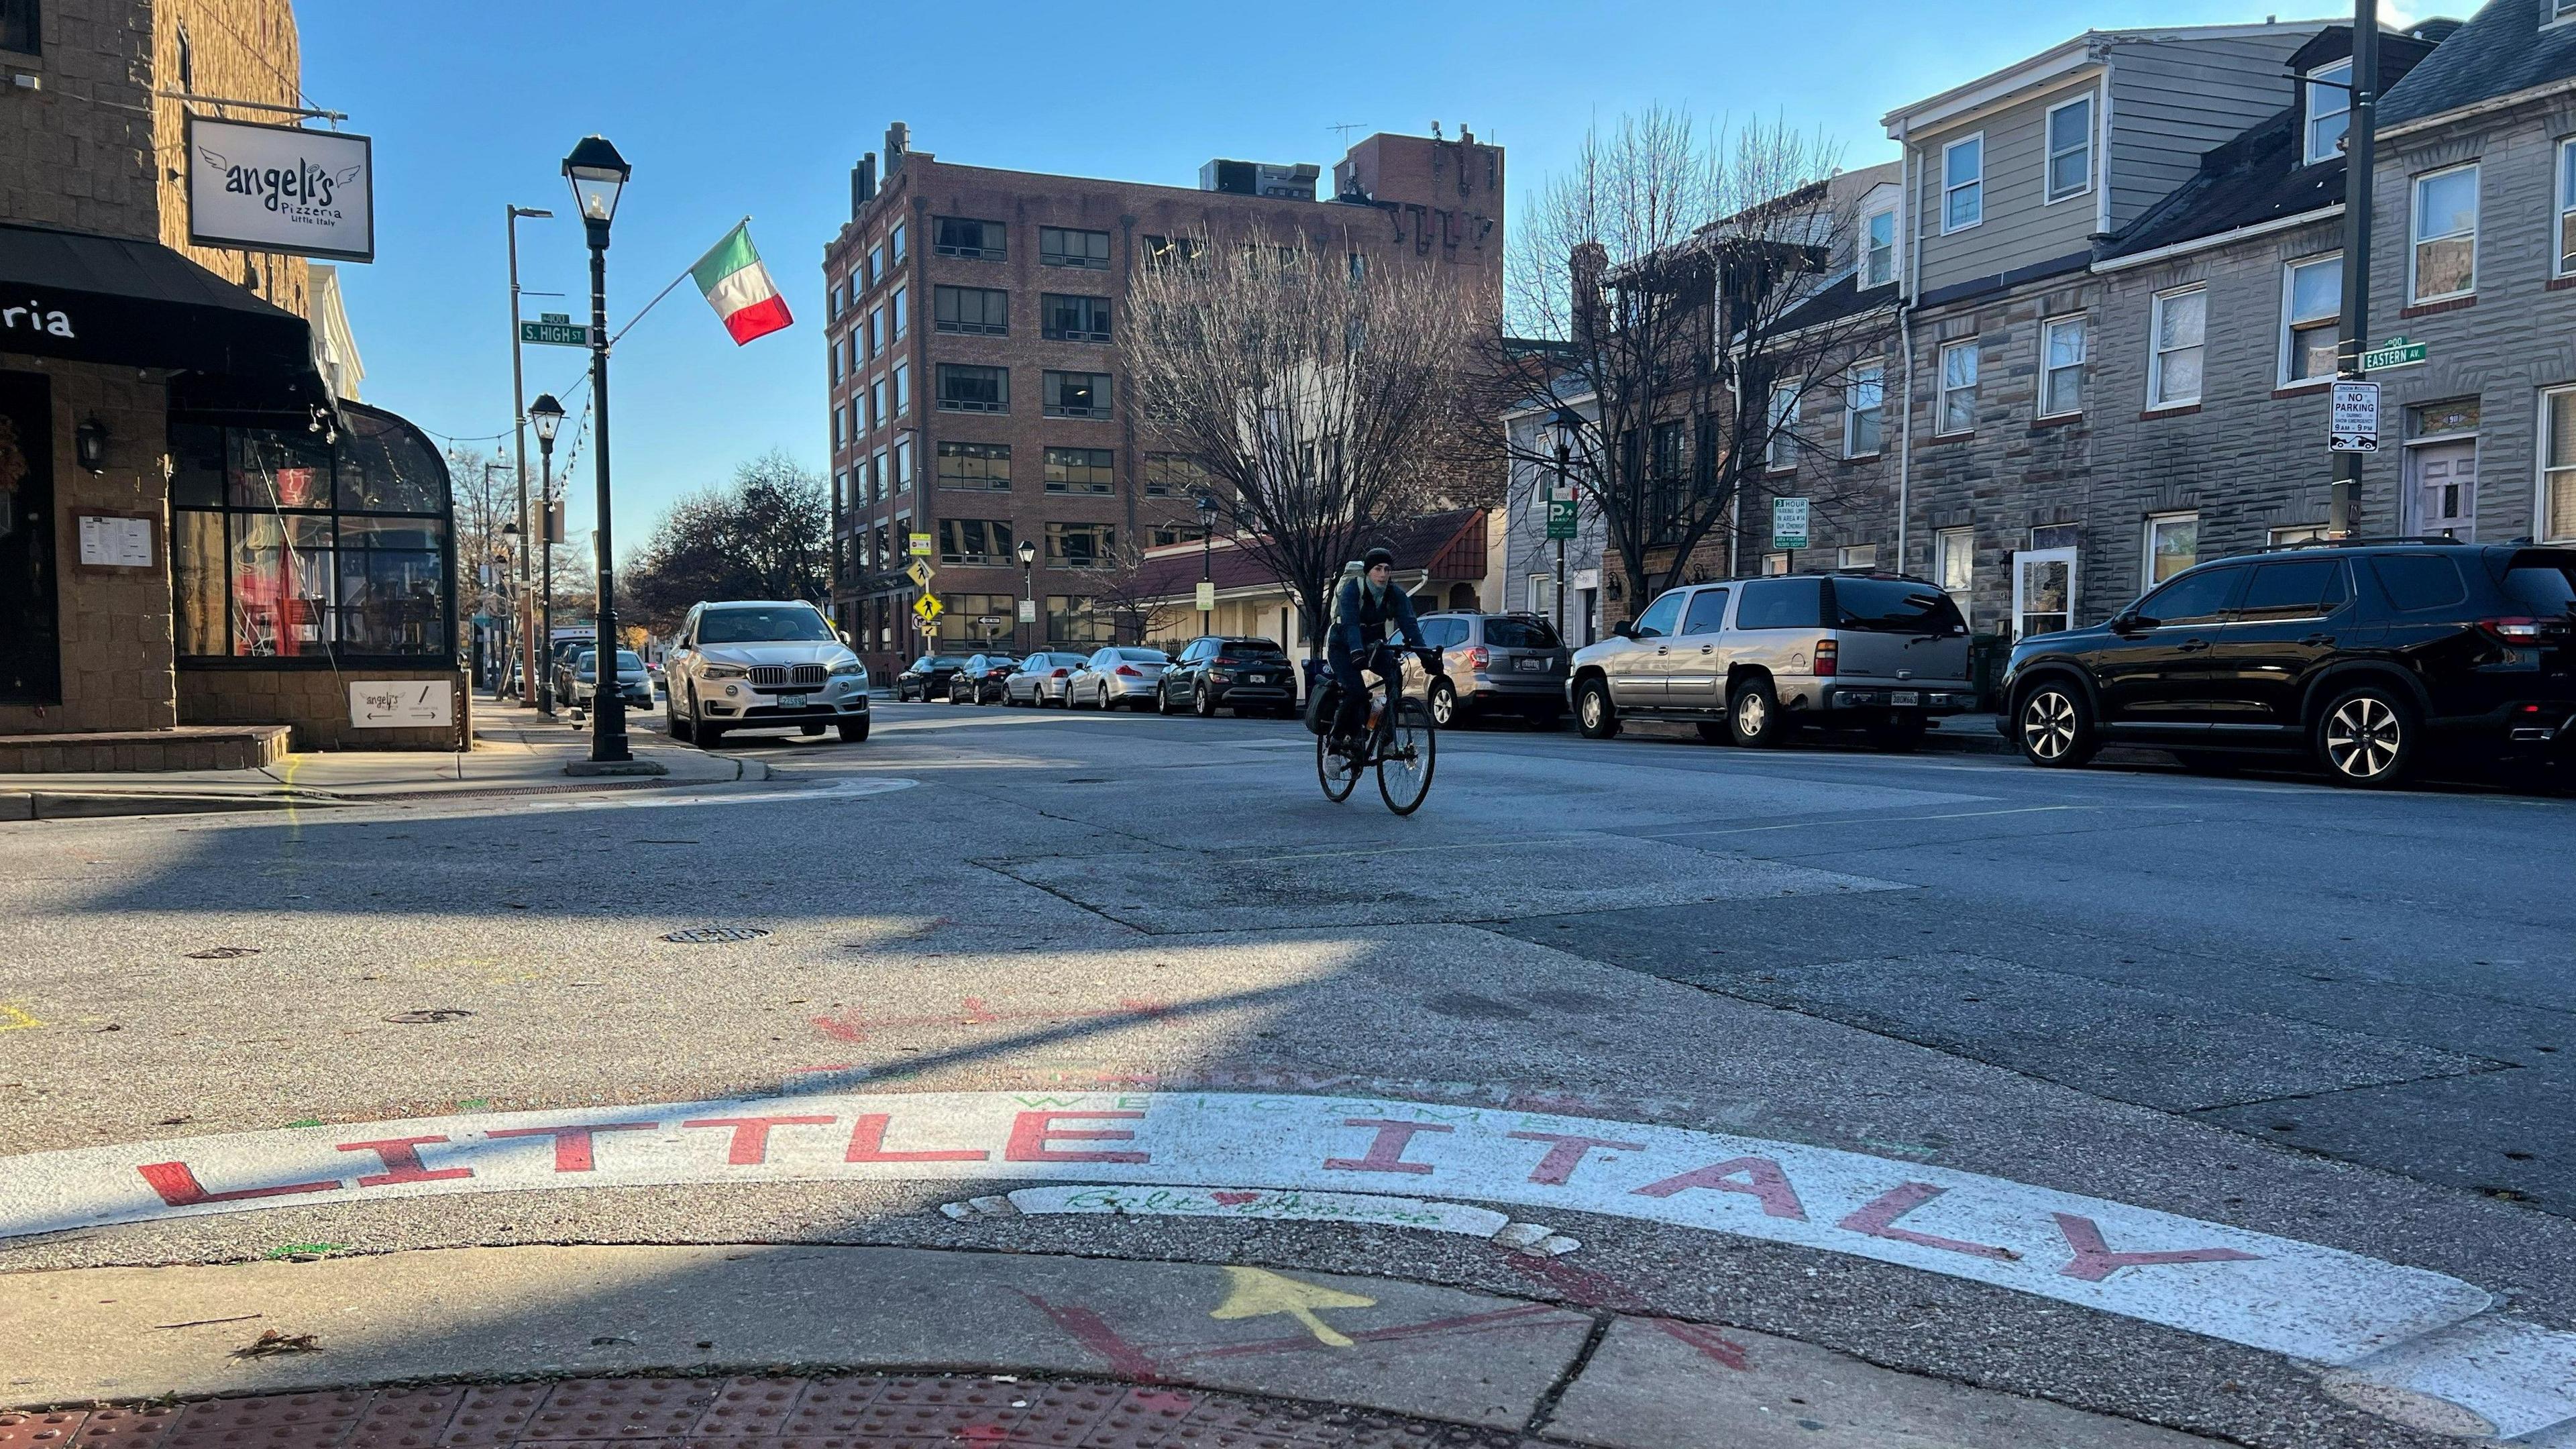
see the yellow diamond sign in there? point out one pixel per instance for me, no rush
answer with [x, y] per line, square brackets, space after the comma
[927, 608]
[919, 572]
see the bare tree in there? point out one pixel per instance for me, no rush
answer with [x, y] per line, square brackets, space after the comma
[1324, 400]
[766, 535]
[1684, 281]
[1136, 597]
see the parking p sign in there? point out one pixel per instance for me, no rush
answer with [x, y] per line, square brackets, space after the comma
[2353, 426]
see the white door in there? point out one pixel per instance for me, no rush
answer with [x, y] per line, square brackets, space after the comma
[2444, 489]
[2043, 591]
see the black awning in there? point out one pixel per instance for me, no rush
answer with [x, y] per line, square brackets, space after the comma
[93, 298]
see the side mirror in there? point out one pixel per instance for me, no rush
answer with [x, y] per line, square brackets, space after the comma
[2131, 622]
[845, 638]
[1625, 628]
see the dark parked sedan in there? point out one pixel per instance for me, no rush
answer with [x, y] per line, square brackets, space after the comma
[1214, 672]
[926, 678]
[2356, 655]
[982, 679]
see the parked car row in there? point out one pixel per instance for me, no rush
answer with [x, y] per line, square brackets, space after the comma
[2359, 656]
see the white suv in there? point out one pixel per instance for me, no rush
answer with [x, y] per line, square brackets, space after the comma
[764, 665]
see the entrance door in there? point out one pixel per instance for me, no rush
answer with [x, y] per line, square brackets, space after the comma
[2445, 489]
[31, 639]
[2043, 591]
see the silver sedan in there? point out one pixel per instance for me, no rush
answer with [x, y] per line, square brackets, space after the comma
[1118, 675]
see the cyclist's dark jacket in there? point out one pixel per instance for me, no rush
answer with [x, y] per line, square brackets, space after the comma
[1360, 621]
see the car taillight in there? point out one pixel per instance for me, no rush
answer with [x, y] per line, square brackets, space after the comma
[1129, 670]
[2516, 629]
[1827, 655]
[1479, 657]
[1059, 674]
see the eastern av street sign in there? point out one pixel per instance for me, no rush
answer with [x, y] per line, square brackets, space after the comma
[2393, 353]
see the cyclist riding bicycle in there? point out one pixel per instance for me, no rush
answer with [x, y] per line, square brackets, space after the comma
[1362, 610]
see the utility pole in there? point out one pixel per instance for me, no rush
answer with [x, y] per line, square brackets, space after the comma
[2343, 505]
[519, 432]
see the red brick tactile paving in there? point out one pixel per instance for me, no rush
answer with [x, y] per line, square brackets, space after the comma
[838, 1411]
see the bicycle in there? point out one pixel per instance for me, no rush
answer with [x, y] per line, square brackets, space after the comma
[1401, 741]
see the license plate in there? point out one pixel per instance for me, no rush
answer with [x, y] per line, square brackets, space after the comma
[1534, 666]
[791, 701]
[1905, 696]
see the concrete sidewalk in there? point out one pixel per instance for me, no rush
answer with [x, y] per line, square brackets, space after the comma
[515, 751]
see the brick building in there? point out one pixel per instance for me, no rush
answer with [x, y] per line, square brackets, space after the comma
[194, 531]
[977, 393]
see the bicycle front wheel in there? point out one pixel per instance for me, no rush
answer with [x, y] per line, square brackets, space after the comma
[1404, 767]
[1335, 773]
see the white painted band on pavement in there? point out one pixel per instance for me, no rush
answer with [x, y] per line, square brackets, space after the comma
[1267, 1205]
[838, 790]
[2311, 1302]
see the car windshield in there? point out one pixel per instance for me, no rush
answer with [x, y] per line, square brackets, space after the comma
[943, 661]
[628, 661]
[1895, 606]
[1520, 634]
[2544, 583]
[786, 624]
[1144, 656]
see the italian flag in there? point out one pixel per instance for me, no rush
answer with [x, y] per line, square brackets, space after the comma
[738, 287]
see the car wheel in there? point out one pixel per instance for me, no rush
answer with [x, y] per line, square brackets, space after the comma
[1900, 735]
[1444, 704]
[1593, 711]
[707, 736]
[2366, 737]
[1202, 703]
[1754, 715]
[851, 734]
[2054, 726]
[679, 725]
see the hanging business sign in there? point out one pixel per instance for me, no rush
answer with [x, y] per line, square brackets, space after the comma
[284, 189]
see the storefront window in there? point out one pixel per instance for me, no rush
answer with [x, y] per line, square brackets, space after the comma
[283, 548]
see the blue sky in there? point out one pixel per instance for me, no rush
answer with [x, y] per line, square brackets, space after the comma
[759, 108]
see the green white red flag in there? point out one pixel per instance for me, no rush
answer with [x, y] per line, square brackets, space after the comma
[739, 288]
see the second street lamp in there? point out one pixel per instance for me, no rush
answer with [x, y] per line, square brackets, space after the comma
[1028, 597]
[598, 174]
[546, 415]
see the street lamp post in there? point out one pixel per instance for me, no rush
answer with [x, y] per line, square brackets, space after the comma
[2343, 496]
[1561, 430]
[547, 415]
[519, 438]
[1028, 589]
[598, 174]
[1207, 561]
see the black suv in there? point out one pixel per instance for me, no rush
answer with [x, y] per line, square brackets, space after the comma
[1215, 672]
[927, 678]
[982, 679]
[2356, 654]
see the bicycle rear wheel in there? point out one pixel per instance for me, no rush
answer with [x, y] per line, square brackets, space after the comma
[1335, 773]
[1404, 765]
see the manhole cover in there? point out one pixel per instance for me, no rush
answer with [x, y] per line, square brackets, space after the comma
[715, 935]
[429, 1015]
[223, 953]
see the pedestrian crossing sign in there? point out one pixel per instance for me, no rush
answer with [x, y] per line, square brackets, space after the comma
[927, 608]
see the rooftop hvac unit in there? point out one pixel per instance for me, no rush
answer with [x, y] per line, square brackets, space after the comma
[1260, 178]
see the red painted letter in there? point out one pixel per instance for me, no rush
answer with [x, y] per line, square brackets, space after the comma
[1762, 1178]
[179, 1187]
[1559, 1164]
[401, 1157]
[2094, 1260]
[1878, 1219]
[750, 1146]
[1031, 1132]
[1386, 1151]
[867, 1144]
[572, 1144]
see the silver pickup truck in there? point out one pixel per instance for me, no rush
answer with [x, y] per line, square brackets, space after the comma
[1751, 659]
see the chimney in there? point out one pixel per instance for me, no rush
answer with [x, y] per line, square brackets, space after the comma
[898, 140]
[863, 183]
[1589, 261]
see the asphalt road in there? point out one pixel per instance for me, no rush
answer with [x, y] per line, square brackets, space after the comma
[2335, 1017]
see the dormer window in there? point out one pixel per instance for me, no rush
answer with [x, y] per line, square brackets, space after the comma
[1878, 245]
[2330, 109]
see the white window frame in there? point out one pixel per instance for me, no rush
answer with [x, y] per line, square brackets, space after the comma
[2289, 289]
[2308, 116]
[1780, 446]
[1946, 544]
[2565, 156]
[1978, 182]
[2147, 546]
[1542, 599]
[2541, 470]
[1851, 413]
[1869, 219]
[2048, 327]
[1942, 391]
[1775, 564]
[2049, 193]
[2156, 402]
[2415, 241]
[1849, 556]
[2560, 12]
[2289, 533]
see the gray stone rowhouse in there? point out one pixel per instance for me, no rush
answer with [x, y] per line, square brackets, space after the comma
[1528, 554]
